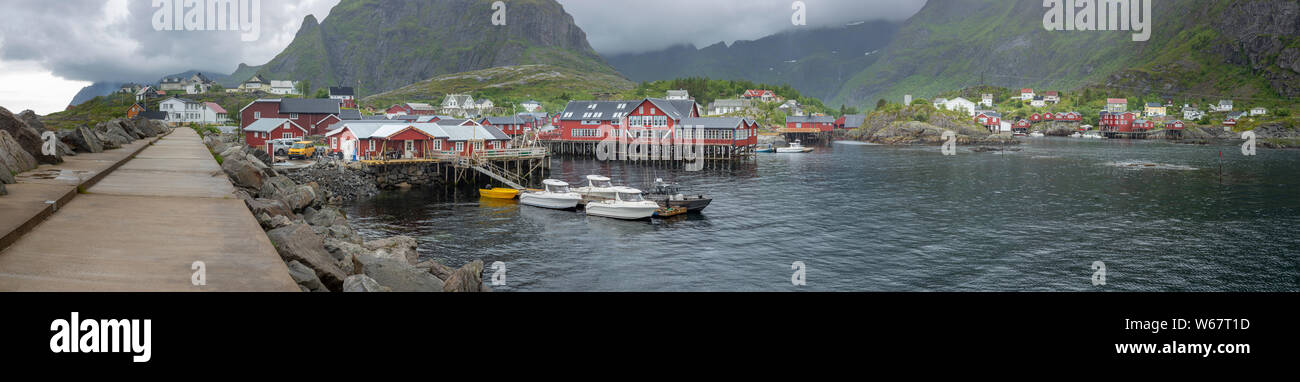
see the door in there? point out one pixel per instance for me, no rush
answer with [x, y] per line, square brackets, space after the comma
[410, 149]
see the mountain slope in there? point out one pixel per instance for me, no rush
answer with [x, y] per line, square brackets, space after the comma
[816, 62]
[553, 86]
[1198, 49]
[380, 45]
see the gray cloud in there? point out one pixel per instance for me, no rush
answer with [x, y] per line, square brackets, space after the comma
[96, 40]
[114, 40]
[615, 27]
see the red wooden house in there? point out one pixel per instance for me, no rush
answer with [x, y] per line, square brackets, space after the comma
[411, 109]
[372, 140]
[1175, 125]
[1122, 122]
[314, 115]
[594, 120]
[135, 110]
[1143, 124]
[266, 129]
[1021, 126]
[512, 125]
[765, 95]
[1035, 118]
[822, 124]
[989, 119]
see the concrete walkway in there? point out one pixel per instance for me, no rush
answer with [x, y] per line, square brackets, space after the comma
[142, 227]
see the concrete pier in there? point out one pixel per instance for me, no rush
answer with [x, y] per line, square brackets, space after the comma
[141, 226]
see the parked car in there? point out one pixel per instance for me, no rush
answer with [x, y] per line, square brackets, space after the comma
[302, 150]
[280, 147]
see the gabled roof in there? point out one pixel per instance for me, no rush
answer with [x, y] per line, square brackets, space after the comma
[188, 101]
[350, 114]
[511, 120]
[1026, 90]
[989, 113]
[1154, 104]
[266, 125]
[1052, 93]
[281, 84]
[1117, 100]
[154, 115]
[854, 120]
[585, 111]
[341, 91]
[215, 107]
[420, 106]
[809, 119]
[309, 106]
[729, 103]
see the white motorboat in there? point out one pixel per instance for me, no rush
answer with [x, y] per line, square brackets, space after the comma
[598, 187]
[556, 195]
[1036, 135]
[795, 147]
[1076, 135]
[628, 204]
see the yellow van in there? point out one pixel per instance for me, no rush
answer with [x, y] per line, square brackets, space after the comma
[302, 150]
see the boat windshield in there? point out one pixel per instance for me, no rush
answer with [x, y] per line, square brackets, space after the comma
[558, 189]
[602, 183]
[630, 197]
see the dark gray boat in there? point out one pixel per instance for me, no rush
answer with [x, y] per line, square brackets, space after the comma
[668, 195]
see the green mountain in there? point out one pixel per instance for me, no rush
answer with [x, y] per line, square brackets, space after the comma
[1199, 49]
[380, 45]
[814, 61]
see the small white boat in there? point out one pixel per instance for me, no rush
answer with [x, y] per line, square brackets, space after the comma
[795, 147]
[1036, 135]
[628, 204]
[1093, 136]
[556, 196]
[1076, 135]
[598, 187]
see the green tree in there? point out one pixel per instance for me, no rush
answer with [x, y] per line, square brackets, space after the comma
[322, 93]
[304, 87]
[881, 103]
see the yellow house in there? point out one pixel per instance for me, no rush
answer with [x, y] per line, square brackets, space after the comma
[1155, 109]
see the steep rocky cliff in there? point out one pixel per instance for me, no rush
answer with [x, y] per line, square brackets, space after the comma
[376, 45]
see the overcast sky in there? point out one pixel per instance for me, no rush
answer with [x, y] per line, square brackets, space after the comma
[51, 49]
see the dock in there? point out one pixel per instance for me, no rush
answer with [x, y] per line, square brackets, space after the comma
[135, 219]
[516, 168]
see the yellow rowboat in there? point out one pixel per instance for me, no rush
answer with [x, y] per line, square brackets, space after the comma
[499, 193]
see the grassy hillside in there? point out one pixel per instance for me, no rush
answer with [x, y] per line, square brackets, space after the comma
[554, 86]
[104, 108]
[1198, 49]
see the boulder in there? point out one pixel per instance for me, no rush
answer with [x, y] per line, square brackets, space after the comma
[108, 142]
[327, 216]
[145, 127]
[439, 270]
[82, 139]
[13, 156]
[403, 247]
[6, 175]
[298, 242]
[34, 121]
[306, 277]
[27, 138]
[113, 132]
[270, 207]
[3, 192]
[244, 173]
[345, 254]
[259, 154]
[363, 283]
[129, 126]
[397, 274]
[468, 278]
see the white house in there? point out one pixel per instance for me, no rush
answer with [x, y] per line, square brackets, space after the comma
[485, 104]
[1223, 106]
[531, 106]
[986, 100]
[1192, 114]
[1038, 101]
[726, 106]
[1027, 94]
[678, 95]
[180, 110]
[1258, 111]
[284, 87]
[956, 104]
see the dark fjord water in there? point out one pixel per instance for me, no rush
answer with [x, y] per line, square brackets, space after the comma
[878, 218]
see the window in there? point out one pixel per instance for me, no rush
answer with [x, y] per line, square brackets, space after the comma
[372, 145]
[293, 115]
[257, 115]
[460, 146]
[478, 146]
[437, 145]
[591, 107]
[622, 106]
[286, 135]
[334, 143]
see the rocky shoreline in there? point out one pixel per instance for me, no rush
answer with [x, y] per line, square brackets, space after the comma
[21, 141]
[312, 235]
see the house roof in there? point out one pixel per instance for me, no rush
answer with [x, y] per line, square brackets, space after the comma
[155, 115]
[809, 119]
[511, 120]
[266, 125]
[1154, 104]
[854, 120]
[1039, 98]
[185, 100]
[1117, 100]
[602, 110]
[678, 93]
[728, 103]
[1026, 90]
[309, 106]
[350, 115]
[281, 84]
[420, 106]
[215, 107]
[341, 91]
[1052, 93]
[993, 114]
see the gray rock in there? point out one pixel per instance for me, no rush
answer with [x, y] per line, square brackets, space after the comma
[397, 274]
[6, 176]
[259, 154]
[327, 216]
[2, 190]
[82, 139]
[13, 156]
[244, 173]
[363, 283]
[27, 138]
[298, 242]
[271, 209]
[305, 277]
[439, 270]
[112, 134]
[34, 121]
[468, 278]
[345, 254]
[404, 247]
